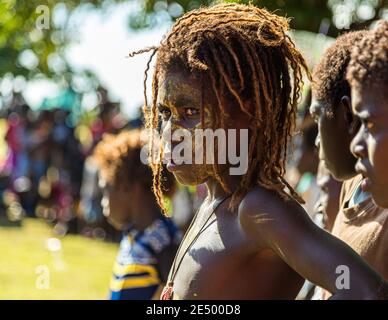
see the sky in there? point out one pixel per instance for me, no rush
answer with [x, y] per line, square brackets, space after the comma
[104, 41]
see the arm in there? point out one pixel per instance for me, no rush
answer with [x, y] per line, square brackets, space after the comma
[270, 221]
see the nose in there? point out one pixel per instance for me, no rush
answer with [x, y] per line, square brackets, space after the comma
[174, 133]
[166, 129]
[169, 139]
[358, 146]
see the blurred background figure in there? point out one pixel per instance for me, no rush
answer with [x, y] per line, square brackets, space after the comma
[150, 240]
[303, 164]
[328, 202]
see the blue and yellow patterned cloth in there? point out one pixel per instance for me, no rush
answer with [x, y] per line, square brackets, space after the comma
[135, 272]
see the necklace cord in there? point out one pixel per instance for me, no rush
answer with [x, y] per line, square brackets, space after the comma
[175, 268]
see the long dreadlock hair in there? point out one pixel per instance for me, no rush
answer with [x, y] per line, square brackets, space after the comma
[247, 56]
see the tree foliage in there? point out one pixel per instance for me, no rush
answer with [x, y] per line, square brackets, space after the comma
[28, 51]
[328, 16]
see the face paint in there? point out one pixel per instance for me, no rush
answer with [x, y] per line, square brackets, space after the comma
[178, 94]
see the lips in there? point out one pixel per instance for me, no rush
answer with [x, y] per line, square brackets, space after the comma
[172, 166]
[366, 182]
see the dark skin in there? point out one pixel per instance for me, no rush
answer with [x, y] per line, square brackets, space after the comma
[308, 161]
[124, 205]
[136, 206]
[260, 250]
[370, 146]
[328, 202]
[337, 127]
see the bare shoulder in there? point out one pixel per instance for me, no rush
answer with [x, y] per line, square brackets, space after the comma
[264, 215]
[261, 201]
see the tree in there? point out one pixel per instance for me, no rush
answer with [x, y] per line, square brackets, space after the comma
[327, 16]
[34, 33]
[33, 37]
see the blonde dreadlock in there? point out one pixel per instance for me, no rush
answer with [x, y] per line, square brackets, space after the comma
[246, 54]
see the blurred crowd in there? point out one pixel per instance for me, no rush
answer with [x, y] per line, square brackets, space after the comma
[42, 160]
[47, 171]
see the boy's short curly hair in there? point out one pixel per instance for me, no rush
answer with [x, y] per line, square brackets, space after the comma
[329, 77]
[369, 59]
[118, 159]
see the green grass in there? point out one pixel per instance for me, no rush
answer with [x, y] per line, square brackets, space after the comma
[80, 269]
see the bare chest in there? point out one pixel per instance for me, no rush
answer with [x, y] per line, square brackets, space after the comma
[223, 264]
[221, 245]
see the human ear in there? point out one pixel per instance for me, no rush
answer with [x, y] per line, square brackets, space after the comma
[350, 119]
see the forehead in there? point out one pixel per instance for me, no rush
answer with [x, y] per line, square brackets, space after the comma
[371, 99]
[178, 88]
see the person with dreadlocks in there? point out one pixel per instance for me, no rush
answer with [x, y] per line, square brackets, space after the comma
[150, 239]
[332, 110]
[232, 66]
[368, 77]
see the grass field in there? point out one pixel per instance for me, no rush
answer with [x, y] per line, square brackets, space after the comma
[36, 265]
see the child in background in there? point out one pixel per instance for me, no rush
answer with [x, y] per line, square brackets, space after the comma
[149, 238]
[331, 107]
[368, 76]
[329, 197]
[356, 222]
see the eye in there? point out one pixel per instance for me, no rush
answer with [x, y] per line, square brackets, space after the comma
[190, 112]
[165, 113]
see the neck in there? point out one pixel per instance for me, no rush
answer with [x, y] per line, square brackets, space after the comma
[216, 191]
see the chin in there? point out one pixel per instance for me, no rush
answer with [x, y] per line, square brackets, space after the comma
[380, 199]
[189, 175]
[189, 180]
[342, 174]
[118, 225]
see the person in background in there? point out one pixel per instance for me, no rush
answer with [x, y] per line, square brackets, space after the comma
[368, 76]
[359, 222]
[329, 196]
[149, 239]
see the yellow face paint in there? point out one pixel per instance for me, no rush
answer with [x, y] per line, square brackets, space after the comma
[178, 93]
